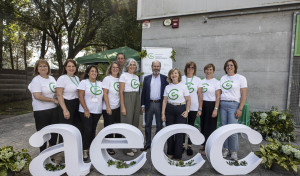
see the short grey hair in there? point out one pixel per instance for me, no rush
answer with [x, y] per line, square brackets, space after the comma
[155, 62]
[129, 60]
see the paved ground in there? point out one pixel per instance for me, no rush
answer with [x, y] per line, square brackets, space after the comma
[16, 131]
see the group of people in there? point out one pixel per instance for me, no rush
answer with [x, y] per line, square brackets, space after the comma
[173, 99]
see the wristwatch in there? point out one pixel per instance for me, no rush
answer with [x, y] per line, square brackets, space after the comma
[216, 108]
[199, 109]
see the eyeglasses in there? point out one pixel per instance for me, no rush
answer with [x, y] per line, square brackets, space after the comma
[43, 66]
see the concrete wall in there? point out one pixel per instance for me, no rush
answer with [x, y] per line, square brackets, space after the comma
[149, 9]
[261, 44]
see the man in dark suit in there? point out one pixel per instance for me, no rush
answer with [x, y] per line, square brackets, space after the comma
[151, 101]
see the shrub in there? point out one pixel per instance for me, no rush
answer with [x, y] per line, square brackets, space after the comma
[285, 155]
[274, 124]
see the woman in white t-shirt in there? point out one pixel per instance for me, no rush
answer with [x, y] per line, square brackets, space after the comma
[194, 86]
[175, 110]
[129, 96]
[90, 95]
[111, 104]
[233, 98]
[211, 100]
[67, 95]
[44, 101]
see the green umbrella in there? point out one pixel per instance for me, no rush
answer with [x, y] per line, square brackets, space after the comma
[111, 54]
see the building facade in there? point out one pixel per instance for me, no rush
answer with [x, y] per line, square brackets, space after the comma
[258, 34]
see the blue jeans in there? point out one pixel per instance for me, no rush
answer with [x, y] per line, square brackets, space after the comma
[227, 110]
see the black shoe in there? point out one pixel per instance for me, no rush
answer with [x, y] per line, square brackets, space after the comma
[189, 151]
[145, 148]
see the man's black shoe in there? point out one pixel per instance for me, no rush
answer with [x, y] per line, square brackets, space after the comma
[145, 148]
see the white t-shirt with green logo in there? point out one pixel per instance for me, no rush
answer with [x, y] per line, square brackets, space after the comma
[112, 84]
[48, 89]
[209, 88]
[69, 85]
[92, 96]
[132, 83]
[176, 92]
[231, 87]
[193, 84]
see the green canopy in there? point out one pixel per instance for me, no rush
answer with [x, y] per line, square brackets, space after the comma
[111, 54]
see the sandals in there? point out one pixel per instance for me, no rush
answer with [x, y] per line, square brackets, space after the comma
[111, 151]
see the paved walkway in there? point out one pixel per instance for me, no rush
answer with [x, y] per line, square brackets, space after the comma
[16, 131]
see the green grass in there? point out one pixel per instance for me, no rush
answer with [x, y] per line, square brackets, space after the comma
[16, 108]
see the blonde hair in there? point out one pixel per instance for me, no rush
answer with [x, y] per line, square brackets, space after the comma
[169, 79]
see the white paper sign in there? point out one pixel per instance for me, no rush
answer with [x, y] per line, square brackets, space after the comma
[163, 56]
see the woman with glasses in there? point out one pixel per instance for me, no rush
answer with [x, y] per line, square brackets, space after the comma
[44, 102]
[111, 105]
[90, 95]
[129, 96]
[233, 98]
[67, 94]
[194, 86]
[175, 109]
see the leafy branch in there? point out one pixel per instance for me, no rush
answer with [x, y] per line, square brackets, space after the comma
[120, 164]
[237, 163]
[181, 163]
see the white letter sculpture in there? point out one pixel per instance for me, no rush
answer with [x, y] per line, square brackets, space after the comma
[214, 145]
[72, 148]
[133, 139]
[160, 160]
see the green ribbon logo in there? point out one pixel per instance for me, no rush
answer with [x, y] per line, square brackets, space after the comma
[189, 84]
[173, 94]
[227, 85]
[134, 83]
[96, 90]
[204, 88]
[116, 86]
[52, 87]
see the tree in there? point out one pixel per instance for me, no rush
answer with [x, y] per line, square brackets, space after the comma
[71, 22]
[122, 29]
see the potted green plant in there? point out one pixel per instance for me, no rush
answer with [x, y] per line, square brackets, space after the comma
[275, 152]
[12, 162]
[274, 124]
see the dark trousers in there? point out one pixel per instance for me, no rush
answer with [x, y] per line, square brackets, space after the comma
[208, 123]
[154, 108]
[72, 106]
[115, 117]
[173, 116]
[191, 121]
[89, 129]
[44, 118]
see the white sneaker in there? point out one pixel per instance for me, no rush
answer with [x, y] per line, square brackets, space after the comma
[130, 154]
[234, 156]
[134, 150]
[225, 153]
